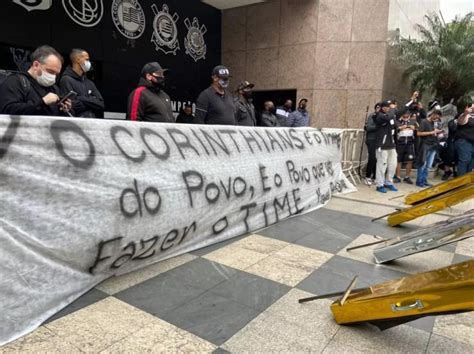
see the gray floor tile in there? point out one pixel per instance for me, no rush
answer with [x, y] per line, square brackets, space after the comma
[353, 225]
[220, 351]
[458, 258]
[211, 317]
[202, 273]
[203, 251]
[289, 230]
[251, 290]
[425, 323]
[85, 300]
[337, 273]
[325, 239]
[160, 294]
[451, 247]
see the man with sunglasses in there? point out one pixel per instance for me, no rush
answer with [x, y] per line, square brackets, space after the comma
[148, 102]
[35, 92]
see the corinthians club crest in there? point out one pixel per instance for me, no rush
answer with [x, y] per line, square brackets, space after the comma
[194, 42]
[86, 13]
[31, 5]
[165, 31]
[129, 18]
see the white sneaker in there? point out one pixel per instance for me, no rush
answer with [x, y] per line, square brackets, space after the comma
[368, 181]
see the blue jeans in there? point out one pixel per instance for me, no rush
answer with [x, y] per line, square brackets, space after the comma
[422, 174]
[465, 150]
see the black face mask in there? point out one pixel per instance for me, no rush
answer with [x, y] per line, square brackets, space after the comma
[247, 94]
[159, 82]
[303, 106]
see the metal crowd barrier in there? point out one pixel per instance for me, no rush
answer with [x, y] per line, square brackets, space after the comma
[354, 154]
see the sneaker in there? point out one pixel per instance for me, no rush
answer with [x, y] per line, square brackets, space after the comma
[446, 175]
[397, 179]
[368, 181]
[381, 189]
[426, 184]
[408, 180]
[421, 185]
[392, 188]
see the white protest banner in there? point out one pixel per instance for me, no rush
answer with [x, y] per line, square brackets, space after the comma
[83, 199]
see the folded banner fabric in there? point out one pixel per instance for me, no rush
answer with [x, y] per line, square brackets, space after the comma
[83, 200]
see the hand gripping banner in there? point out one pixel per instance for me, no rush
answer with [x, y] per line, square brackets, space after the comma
[83, 200]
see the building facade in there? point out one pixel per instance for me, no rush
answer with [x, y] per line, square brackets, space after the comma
[333, 52]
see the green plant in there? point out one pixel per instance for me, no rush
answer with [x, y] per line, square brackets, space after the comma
[441, 62]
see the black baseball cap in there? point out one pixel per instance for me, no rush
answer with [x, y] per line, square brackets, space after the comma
[245, 84]
[153, 67]
[385, 103]
[221, 71]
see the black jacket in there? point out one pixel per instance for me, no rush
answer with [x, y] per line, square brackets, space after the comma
[150, 104]
[89, 102]
[245, 113]
[386, 131]
[21, 94]
[269, 120]
[184, 118]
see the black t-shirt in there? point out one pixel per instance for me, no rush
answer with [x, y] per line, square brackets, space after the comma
[214, 108]
[428, 126]
[466, 131]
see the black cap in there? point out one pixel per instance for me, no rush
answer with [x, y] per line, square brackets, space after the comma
[221, 71]
[385, 103]
[245, 84]
[150, 68]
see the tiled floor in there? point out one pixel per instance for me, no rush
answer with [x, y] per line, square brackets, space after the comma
[241, 295]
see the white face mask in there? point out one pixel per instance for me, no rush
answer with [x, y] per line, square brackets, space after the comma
[86, 66]
[46, 79]
[224, 83]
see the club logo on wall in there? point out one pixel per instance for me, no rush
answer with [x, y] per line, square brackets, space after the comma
[86, 13]
[129, 18]
[194, 42]
[165, 31]
[31, 5]
[21, 58]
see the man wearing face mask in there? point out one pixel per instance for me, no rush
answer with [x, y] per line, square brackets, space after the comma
[244, 108]
[35, 92]
[148, 102]
[300, 117]
[269, 119]
[89, 102]
[215, 104]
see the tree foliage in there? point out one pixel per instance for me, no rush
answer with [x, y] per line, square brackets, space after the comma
[442, 61]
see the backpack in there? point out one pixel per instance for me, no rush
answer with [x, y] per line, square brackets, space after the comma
[5, 74]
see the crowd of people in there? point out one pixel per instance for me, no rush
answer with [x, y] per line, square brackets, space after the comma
[45, 90]
[409, 136]
[396, 137]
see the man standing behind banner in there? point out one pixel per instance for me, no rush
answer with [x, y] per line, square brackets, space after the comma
[268, 118]
[300, 117]
[35, 92]
[215, 105]
[89, 102]
[244, 108]
[283, 112]
[148, 102]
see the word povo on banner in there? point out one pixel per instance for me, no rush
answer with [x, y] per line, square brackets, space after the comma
[83, 200]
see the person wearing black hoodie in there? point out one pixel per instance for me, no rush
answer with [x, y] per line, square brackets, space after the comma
[386, 153]
[148, 102]
[88, 103]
